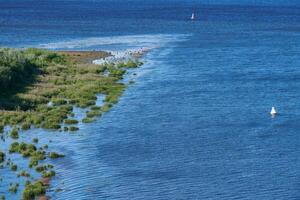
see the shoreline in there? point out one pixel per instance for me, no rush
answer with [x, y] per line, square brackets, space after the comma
[94, 79]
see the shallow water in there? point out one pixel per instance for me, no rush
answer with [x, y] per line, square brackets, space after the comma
[196, 123]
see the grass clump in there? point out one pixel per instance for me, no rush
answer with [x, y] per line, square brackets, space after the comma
[1, 128]
[24, 174]
[54, 155]
[2, 157]
[88, 120]
[14, 134]
[106, 107]
[41, 168]
[93, 113]
[32, 191]
[26, 126]
[73, 128]
[35, 140]
[13, 188]
[71, 121]
[48, 174]
[14, 167]
[96, 108]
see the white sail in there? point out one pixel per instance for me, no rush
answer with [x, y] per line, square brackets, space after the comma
[193, 16]
[273, 111]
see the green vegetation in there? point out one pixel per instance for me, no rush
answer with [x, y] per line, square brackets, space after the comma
[32, 191]
[2, 157]
[13, 167]
[13, 188]
[35, 140]
[24, 173]
[1, 128]
[40, 88]
[93, 113]
[48, 174]
[54, 155]
[73, 128]
[71, 121]
[63, 79]
[88, 120]
[26, 126]
[14, 134]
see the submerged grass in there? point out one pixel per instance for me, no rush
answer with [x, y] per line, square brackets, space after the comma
[39, 88]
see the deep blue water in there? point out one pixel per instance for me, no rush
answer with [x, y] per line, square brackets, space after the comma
[196, 123]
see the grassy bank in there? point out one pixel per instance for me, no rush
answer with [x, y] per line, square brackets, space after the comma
[40, 88]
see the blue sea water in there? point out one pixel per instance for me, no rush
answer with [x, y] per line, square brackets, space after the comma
[196, 123]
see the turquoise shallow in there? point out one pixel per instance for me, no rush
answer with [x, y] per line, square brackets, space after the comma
[196, 123]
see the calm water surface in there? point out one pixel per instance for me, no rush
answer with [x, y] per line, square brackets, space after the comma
[196, 123]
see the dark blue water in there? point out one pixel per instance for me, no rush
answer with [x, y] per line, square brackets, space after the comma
[196, 123]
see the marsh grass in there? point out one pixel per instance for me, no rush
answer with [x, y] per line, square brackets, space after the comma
[39, 88]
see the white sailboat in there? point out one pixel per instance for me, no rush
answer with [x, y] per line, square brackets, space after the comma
[193, 16]
[273, 111]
